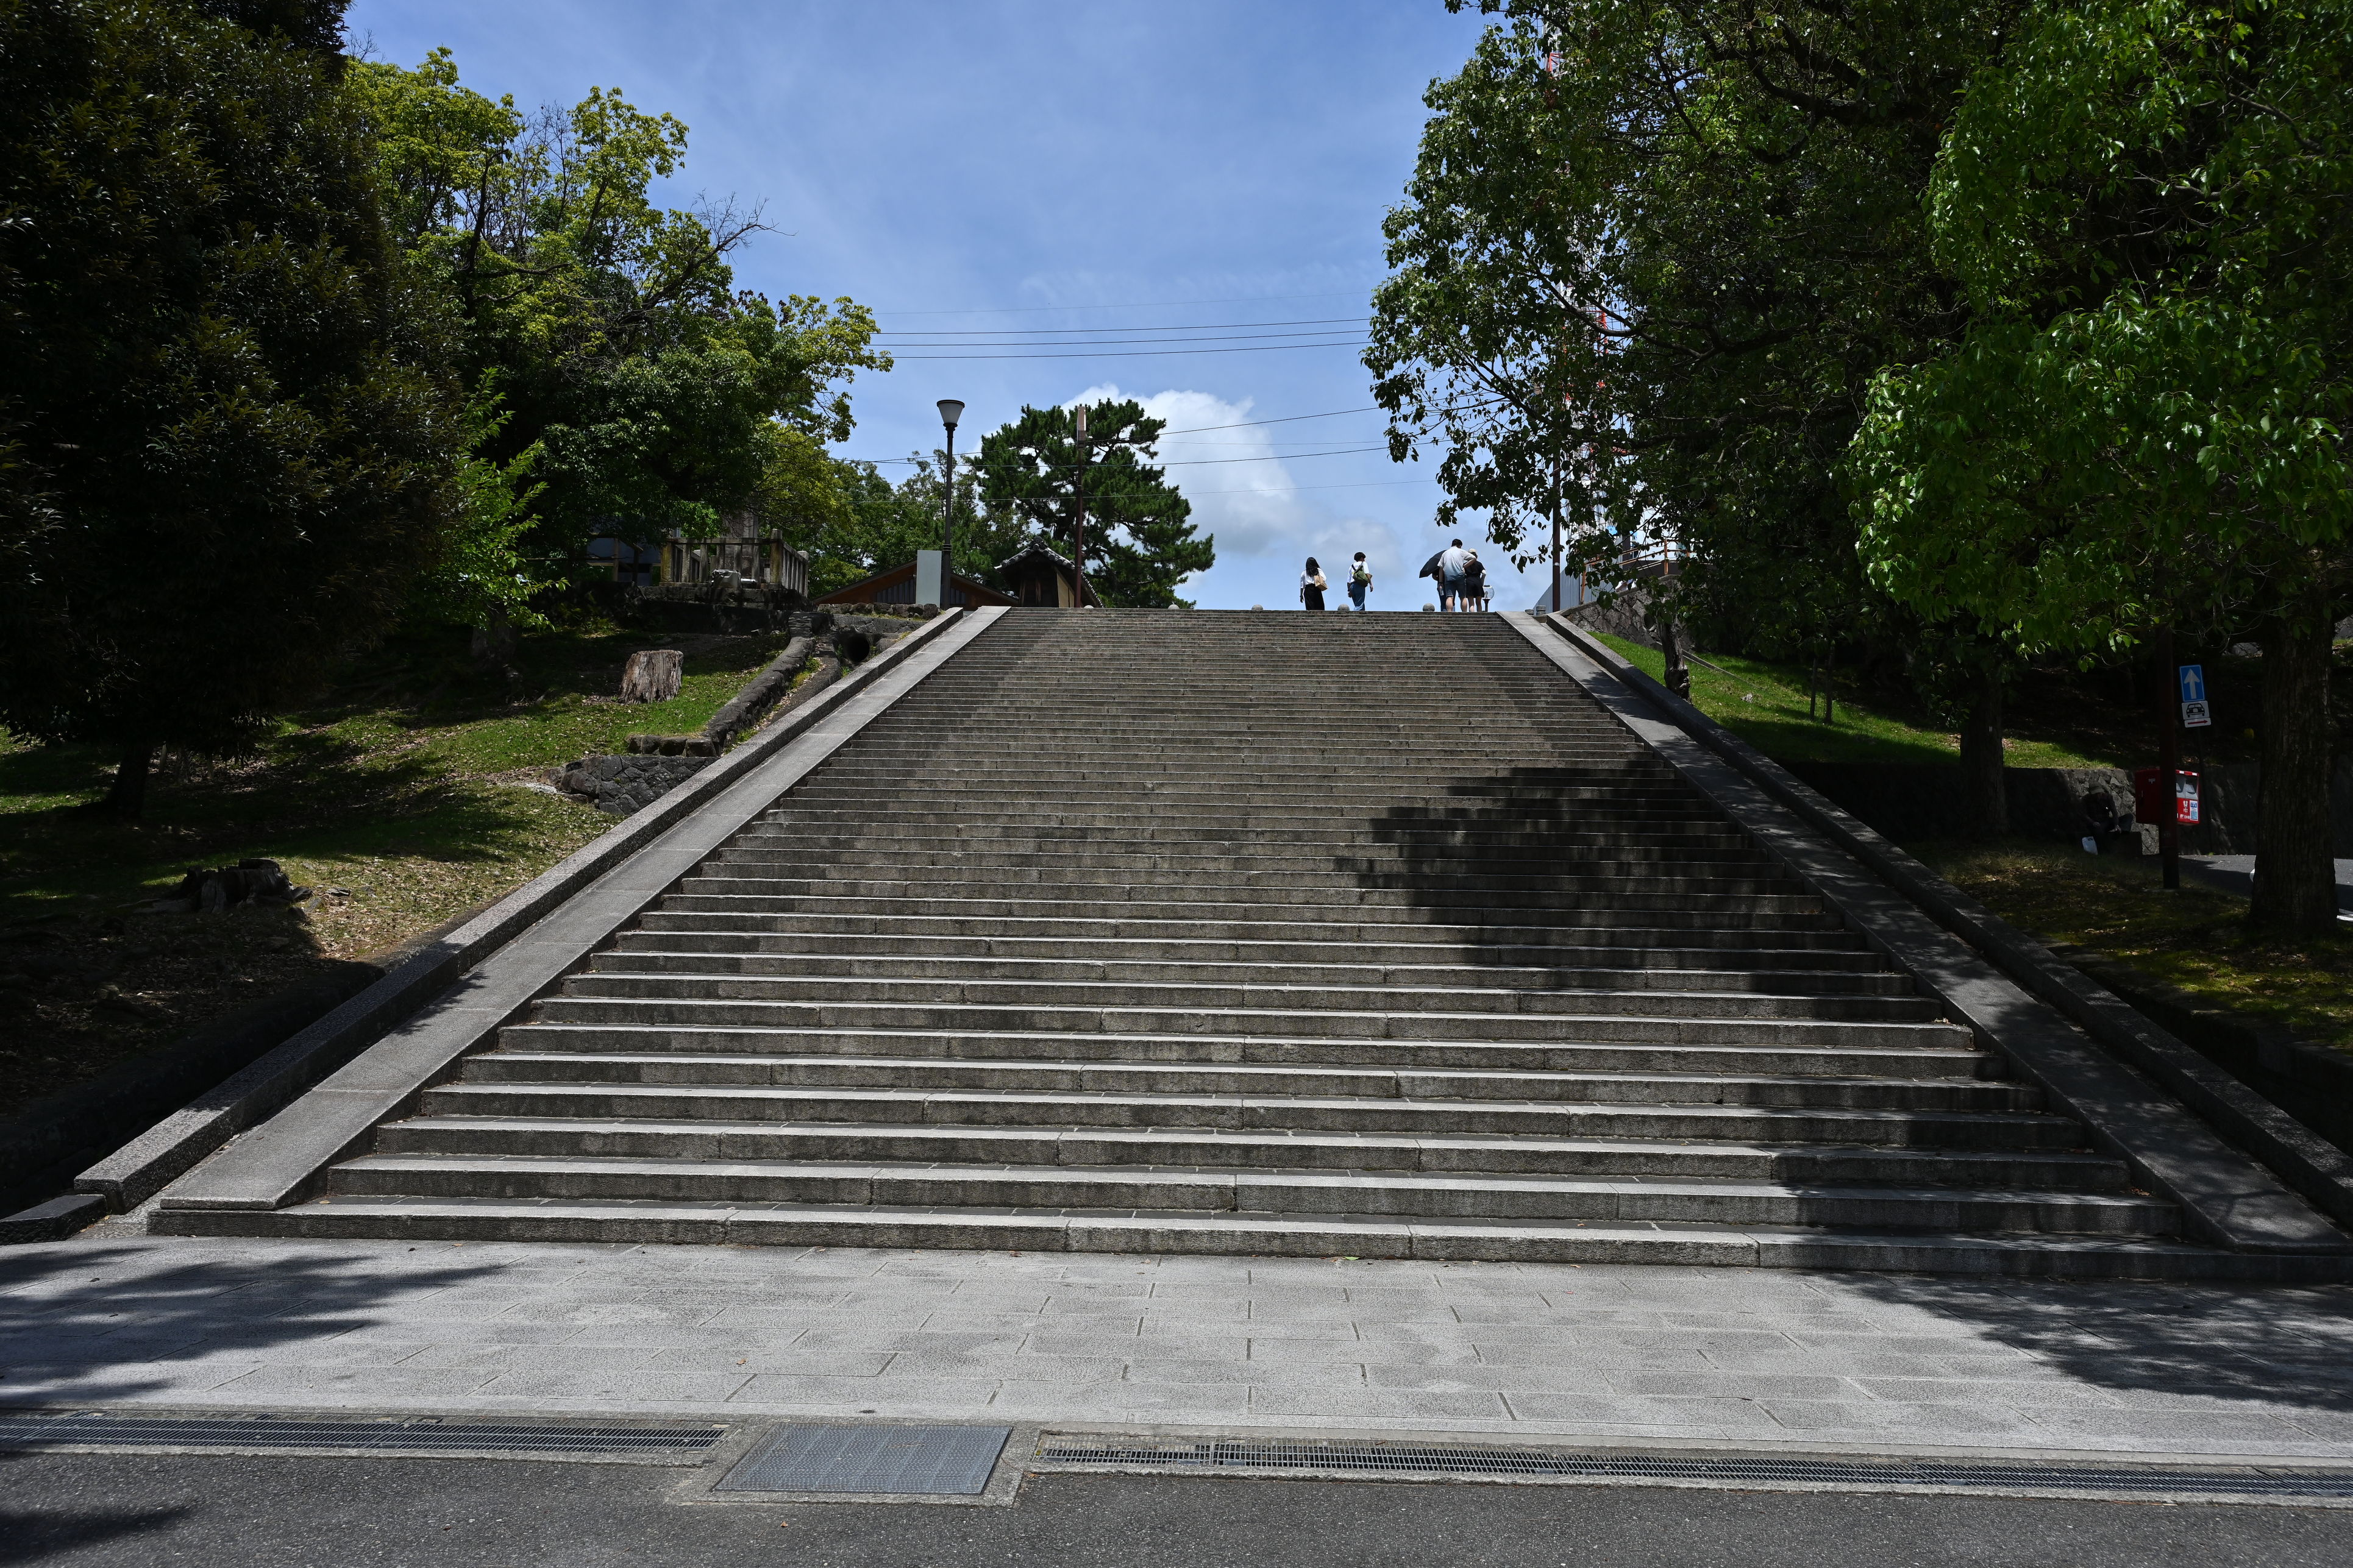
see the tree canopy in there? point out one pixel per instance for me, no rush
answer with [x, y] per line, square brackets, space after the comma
[230, 442]
[1663, 244]
[1650, 255]
[2146, 422]
[870, 524]
[651, 394]
[1140, 541]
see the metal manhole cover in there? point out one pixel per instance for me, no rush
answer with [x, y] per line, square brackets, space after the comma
[952, 1461]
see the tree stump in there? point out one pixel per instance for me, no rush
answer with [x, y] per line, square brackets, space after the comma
[653, 675]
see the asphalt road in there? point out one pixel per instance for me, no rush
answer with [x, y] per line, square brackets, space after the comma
[70, 1511]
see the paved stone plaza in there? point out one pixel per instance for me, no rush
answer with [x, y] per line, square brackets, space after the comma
[1905, 1363]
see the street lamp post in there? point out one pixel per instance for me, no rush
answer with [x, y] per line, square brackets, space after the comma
[950, 412]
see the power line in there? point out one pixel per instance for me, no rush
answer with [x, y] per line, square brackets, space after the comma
[1066, 331]
[1136, 354]
[1179, 462]
[1363, 484]
[1162, 305]
[1287, 419]
[1353, 332]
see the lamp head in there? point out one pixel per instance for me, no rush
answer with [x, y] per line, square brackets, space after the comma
[950, 412]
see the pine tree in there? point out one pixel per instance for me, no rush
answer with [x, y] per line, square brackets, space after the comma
[1140, 544]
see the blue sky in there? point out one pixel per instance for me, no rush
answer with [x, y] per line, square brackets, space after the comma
[971, 167]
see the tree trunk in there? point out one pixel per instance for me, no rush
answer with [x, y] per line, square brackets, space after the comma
[1982, 782]
[653, 675]
[1678, 673]
[493, 643]
[2296, 869]
[126, 797]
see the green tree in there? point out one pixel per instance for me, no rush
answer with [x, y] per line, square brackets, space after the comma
[1140, 543]
[2148, 202]
[231, 446]
[650, 388]
[1652, 253]
[867, 524]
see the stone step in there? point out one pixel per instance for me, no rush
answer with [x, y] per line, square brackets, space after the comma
[1002, 838]
[1950, 1060]
[1729, 1159]
[870, 874]
[1587, 872]
[1381, 928]
[1293, 792]
[1250, 1190]
[1802, 965]
[1451, 1240]
[1270, 993]
[516, 1064]
[1331, 1023]
[1692, 1118]
[651, 954]
[1137, 897]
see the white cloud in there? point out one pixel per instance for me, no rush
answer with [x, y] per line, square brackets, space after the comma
[1240, 490]
[1244, 495]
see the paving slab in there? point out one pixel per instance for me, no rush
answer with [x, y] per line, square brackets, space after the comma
[1910, 1363]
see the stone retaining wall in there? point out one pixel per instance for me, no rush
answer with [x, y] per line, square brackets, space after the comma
[656, 764]
[622, 785]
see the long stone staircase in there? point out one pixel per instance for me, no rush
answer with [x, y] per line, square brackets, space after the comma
[1154, 931]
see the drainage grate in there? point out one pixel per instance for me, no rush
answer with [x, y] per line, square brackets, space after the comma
[395, 1434]
[952, 1461]
[1764, 1470]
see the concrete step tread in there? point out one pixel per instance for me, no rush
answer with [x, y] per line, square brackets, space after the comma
[1309, 1234]
[714, 1095]
[1347, 1149]
[1501, 959]
[1255, 996]
[1334, 1021]
[1438, 966]
[1131, 909]
[1273, 1177]
[1272, 1071]
[1469, 940]
[1957, 1060]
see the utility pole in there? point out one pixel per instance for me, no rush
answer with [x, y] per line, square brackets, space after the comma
[950, 412]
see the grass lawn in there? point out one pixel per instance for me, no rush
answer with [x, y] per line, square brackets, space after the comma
[2194, 937]
[403, 797]
[1765, 704]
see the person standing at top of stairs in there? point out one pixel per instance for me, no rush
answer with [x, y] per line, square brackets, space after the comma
[1312, 586]
[1452, 563]
[1360, 581]
[1474, 582]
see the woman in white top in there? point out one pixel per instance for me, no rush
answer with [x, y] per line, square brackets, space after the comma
[1311, 586]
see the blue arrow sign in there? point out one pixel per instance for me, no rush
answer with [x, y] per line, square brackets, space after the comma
[2193, 683]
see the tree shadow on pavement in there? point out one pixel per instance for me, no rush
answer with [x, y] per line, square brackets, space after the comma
[2285, 1345]
[110, 1321]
